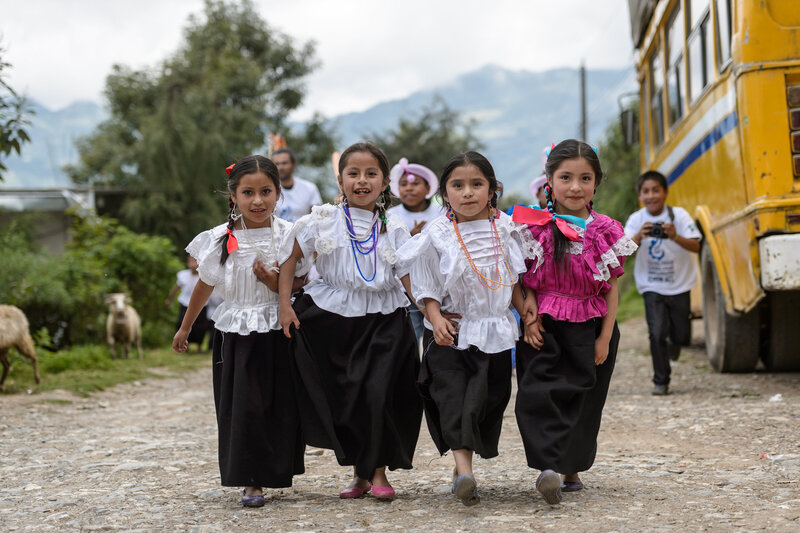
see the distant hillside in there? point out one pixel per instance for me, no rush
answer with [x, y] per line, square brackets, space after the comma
[53, 135]
[518, 113]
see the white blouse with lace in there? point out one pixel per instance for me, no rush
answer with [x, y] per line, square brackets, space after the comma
[342, 289]
[247, 304]
[440, 270]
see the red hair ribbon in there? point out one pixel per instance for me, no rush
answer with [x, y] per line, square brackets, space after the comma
[229, 168]
[233, 244]
[539, 217]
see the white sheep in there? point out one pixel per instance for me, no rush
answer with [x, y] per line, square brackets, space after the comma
[14, 333]
[123, 325]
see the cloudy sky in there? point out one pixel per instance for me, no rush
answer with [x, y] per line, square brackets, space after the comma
[370, 50]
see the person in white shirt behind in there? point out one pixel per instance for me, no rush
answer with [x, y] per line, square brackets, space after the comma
[665, 272]
[415, 185]
[297, 195]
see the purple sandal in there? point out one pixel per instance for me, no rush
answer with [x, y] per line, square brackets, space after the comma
[252, 501]
[571, 486]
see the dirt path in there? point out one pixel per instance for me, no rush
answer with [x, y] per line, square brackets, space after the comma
[721, 453]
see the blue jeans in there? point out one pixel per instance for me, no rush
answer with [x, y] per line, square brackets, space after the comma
[416, 320]
[670, 328]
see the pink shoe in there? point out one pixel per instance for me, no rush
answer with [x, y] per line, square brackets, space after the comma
[383, 493]
[354, 492]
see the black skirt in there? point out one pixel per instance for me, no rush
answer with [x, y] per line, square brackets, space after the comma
[357, 393]
[561, 394]
[465, 394]
[260, 443]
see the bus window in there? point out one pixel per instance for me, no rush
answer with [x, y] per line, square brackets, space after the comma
[675, 72]
[699, 42]
[723, 23]
[656, 97]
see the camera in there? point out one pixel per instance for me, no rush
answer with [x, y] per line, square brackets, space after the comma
[657, 231]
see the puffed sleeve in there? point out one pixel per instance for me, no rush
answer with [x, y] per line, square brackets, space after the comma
[398, 235]
[303, 233]
[287, 236]
[207, 250]
[420, 259]
[522, 247]
[610, 247]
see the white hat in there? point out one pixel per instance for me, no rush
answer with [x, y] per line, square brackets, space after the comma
[403, 167]
[537, 184]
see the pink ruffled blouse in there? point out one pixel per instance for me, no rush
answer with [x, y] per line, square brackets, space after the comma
[574, 292]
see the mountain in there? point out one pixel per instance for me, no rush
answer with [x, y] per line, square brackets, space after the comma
[518, 113]
[53, 135]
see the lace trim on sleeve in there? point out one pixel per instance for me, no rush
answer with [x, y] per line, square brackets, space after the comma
[624, 247]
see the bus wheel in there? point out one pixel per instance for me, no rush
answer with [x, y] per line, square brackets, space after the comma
[784, 335]
[731, 340]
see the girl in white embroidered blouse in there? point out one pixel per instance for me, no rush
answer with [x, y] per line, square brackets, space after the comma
[260, 443]
[467, 264]
[351, 337]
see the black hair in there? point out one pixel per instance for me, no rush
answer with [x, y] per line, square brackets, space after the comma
[385, 198]
[563, 151]
[481, 163]
[247, 165]
[651, 175]
[285, 151]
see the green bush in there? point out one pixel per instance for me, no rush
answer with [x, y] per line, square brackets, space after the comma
[86, 357]
[65, 295]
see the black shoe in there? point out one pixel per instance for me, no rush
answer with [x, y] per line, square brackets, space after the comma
[660, 390]
[674, 351]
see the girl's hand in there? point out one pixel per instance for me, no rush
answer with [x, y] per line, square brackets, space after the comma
[180, 343]
[267, 276]
[418, 226]
[601, 350]
[443, 330]
[288, 317]
[530, 310]
[533, 334]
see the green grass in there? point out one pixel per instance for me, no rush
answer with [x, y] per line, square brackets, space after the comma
[87, 369]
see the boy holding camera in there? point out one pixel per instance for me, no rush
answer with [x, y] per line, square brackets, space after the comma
[665, 272]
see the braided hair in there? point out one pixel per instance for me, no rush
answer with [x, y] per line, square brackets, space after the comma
[248, 165]
[563, 151]
[384, 200]
[481, 163]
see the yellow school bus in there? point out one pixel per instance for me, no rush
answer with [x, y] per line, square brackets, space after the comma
[719, 109]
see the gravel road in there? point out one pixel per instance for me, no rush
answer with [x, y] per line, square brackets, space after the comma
[720, 453]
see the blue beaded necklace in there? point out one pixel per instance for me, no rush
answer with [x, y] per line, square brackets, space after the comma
[363, 244]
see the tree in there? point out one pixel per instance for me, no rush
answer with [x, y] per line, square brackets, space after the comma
[173, 129]
[430, 138]
[14, 117]
[616, 196]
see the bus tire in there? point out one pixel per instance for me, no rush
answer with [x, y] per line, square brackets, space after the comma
[732, 341]
[783, 352]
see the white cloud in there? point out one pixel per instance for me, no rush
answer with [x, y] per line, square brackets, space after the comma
[370, 51]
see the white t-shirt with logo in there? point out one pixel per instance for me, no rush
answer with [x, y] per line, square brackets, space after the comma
[662, 265]
[412, 218]
[297, 201]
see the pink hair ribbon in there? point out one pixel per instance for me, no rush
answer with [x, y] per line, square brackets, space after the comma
[534, 216]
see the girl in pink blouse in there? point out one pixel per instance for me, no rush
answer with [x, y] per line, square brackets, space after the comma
[565, 362]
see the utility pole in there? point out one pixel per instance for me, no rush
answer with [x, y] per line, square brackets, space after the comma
[584, 125]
